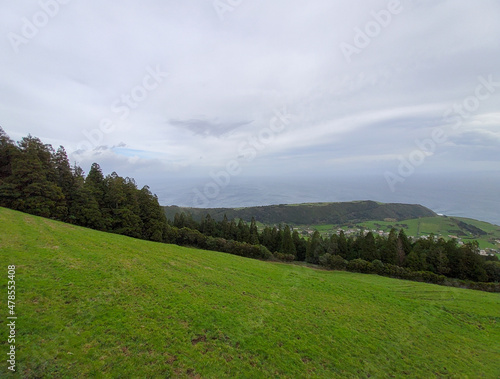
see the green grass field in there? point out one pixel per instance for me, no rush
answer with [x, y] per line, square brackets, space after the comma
[438, 225]
[91, 304]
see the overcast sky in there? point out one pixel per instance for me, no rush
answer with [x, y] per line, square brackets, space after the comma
[164, 88]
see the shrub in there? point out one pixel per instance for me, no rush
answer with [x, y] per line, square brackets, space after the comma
[283, 257]
[324, 259]
[334, 262]
[378, 266]
[492, 269]
[360, 265]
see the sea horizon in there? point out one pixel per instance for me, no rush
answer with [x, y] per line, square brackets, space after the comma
[475, 199]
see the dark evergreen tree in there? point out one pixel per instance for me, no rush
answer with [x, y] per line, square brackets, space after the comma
[65, 180]
[254, 232]
[357, 245]
[277, 239]
[342, 245]
[437, 259]
[473, 263]
[95, 183]
[369, 250]
[208, 226]
[96, 186]
[84, 209]
[266, 238]
[314, 248]
[389, 248]
[32, 185]
[243, 233]
[180, 220]
[7, 151]
[120, 199]
[154, 222]
[288, 247]
[404, 247]
[225, 228]
[300, 246]
[331, 244]
[492, 269]
[233, 231]
[416, 260]
[456, 261]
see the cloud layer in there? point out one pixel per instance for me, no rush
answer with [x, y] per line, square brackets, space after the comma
[173, 89]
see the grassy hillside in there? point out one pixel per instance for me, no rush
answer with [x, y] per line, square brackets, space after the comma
[92, 304]
[316, 213]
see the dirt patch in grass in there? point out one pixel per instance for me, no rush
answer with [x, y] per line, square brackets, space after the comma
[199, 339]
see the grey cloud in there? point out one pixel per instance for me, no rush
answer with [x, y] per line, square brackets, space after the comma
[208, 128]
[227, 78]
[477, 140]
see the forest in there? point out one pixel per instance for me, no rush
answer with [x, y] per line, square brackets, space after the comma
[36, 179]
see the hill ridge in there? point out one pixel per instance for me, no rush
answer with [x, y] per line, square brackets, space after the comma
[311, 213]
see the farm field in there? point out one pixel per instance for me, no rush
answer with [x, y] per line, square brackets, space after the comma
[93, 304]
[439, 225]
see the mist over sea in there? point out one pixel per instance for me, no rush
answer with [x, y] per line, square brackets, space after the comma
[474, 196]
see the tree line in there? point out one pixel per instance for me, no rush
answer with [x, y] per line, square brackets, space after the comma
[36, 179]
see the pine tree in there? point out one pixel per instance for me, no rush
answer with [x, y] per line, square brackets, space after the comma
[389, 248]
[415, 261]
[7, 151]
[224, 227]
[472, 265]
[254, 233]
[314, 248]
[437, 259]
[300, 246]
[233, 231]
[243, 234]
[95, 183]
[96, 187]
[153, 218]
[179, 220]
[276, 239]
[32, 187]
[368, 248]
[404, 247]
[121, 201]
[209, 227]
[288, 247]
[84, 209]
[266, 238]
[65, 179]
[343, 246]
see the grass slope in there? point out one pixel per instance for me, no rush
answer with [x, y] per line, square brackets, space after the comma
[92, 304]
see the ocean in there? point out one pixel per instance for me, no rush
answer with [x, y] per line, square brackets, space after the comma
[475, 196]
